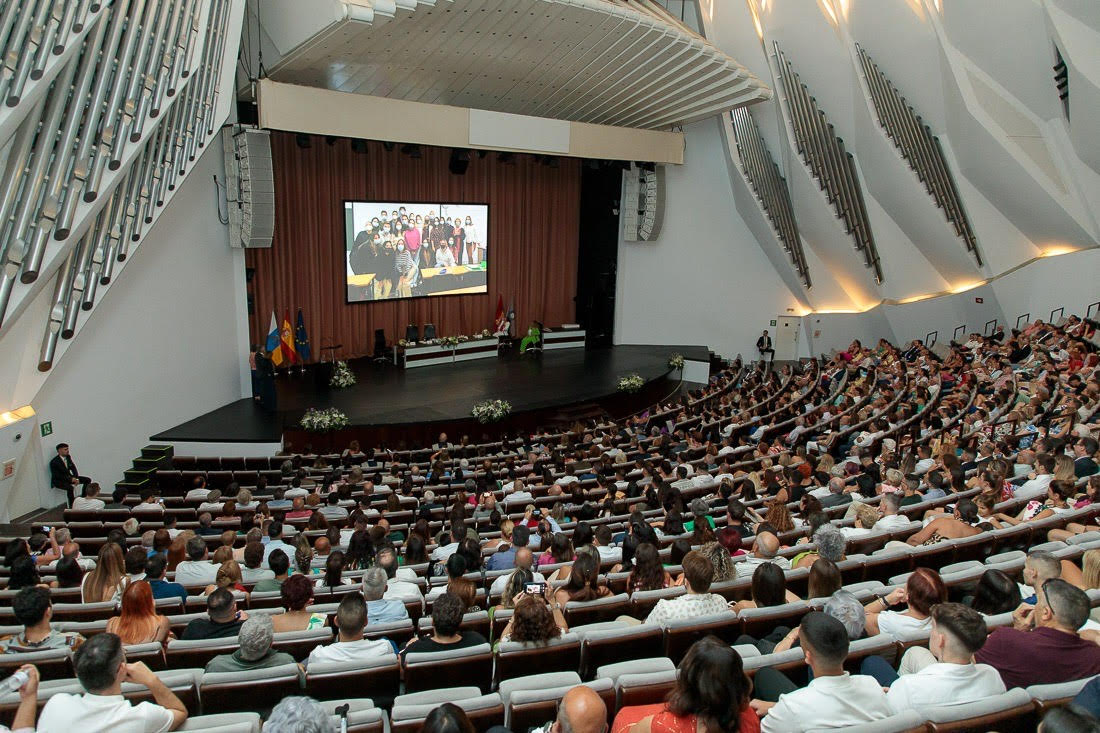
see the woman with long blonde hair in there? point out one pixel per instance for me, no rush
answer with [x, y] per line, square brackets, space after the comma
[138, 621]
[1063, 468]
[1090, 569]
[101, 584]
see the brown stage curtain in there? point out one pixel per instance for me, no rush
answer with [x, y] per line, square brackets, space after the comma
[533, 234]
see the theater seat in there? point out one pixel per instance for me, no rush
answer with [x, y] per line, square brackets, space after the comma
[680, 634]
[515, 659]
[53, 664]
[1052, 696]
[789, 659]
[473, 665]
[409, 711]
[533, 700]
[181, 654]
[223, 723]
[601, 609]
[252, 691]
[604, 644]
[1011, 710]
[362, 715]
[645, 688]
[378, 678]
[635, 666]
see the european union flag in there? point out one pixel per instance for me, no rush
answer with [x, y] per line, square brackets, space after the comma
[301, 340]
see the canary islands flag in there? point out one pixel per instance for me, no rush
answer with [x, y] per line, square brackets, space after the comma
[287, 337]
[273, 345]
[301, 340]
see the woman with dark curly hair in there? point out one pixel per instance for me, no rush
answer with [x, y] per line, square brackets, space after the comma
[648, 573]
[779, 516]
[534, 622]
[711, 696]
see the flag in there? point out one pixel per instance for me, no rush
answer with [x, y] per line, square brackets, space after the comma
[287, 336]
[273, 345]
[301, 340]
[498, 322]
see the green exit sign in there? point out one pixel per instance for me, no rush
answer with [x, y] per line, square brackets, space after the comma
[47, 428]
[772, 323]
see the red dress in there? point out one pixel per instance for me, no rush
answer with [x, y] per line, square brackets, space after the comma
[665, 722]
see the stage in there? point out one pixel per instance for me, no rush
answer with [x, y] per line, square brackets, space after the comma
[391, 404]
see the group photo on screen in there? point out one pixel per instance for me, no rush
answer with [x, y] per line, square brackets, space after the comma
[409, 250]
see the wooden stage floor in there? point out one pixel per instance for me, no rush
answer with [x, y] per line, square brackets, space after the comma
[385, 395]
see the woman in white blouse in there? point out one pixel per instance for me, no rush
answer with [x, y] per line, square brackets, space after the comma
[923, 590]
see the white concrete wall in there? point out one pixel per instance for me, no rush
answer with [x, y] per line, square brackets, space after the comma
[705, 280]
[165, 343]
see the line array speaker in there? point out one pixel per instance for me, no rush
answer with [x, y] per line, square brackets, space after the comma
[250, 187]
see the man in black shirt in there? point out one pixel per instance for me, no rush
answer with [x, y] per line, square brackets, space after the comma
[446, 618]
[224, 619]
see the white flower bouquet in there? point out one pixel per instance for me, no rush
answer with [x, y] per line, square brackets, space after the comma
[491, 411]
[462, 339]
[631, 383]
[341, 376]
[451, 341]
[323, 421]
[676, 361]
[402, 343]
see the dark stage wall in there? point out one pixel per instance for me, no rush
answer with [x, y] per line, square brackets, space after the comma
[533, 234]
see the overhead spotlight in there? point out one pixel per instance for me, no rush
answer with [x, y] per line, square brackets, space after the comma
[388, 146]
[303, 140]
[359, 146]
[460, 161]
[412, 150]
[504, 157]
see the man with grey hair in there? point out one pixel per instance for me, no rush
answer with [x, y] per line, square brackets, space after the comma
[381, 610]
[255, 638]
[299, 715]
[1038, 568]
[581, 710]
[836, 495]
[888, 507]
[830, 542]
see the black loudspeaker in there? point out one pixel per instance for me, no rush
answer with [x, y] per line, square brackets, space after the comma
[460, 161]
[429, 331]
[412, 332]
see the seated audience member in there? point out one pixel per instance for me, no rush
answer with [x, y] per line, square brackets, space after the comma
[102, 583]
[1042, 646]
[154, 575]
[769, 588]
[448, 717]
[333, 576]
[69, 572]
[505, 559]
[446, 619]
[228, 577]
[581, 710]
[832, 699]
[825, 579]
[945, 672]
[138, 621]
[583, 583]
[134, 560]
[255, 637]
[996, 593]
[275, 541]
[297, 715]
[764, 549]
[831, 545]
[922, 590]
[534, 622]
[196, 570]
[279, 563]
[524, 561]
[351, 621]
[150, 503]
[381, 610]
[33, 610]
[711, 694]
[206, 526]
[118, 499]
[725, 569]
[648, 573]
[1038, 568]
[397, 588]
[90, 502]
[603, 544]
[222, 620]
[101, 668]
[698, 572]
[297, 595]
[253, 570]
[842, 605]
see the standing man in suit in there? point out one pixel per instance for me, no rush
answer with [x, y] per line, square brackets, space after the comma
[764, 346]
[63, 473]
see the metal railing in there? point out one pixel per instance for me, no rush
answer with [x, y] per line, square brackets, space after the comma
[920, 148]
[831, 164]
[106, 104]
[770, 188]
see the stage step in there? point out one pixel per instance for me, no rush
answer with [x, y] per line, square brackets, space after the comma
[140, 474]
[164, 452]
[153, 464]
[134, 487]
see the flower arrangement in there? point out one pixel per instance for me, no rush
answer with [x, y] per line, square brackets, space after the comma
[676, 361]
[462, 339]
[323, 421]
[402, 343]
[483, 334]
[451, 341]
[631, 383]
[491, 411]
[341, 376]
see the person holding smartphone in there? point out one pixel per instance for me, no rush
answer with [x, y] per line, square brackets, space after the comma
[537, 618]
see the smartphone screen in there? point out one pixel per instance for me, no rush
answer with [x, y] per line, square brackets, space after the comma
[535, 589]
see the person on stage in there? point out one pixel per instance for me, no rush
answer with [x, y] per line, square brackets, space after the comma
[265, 377]
[63, 473]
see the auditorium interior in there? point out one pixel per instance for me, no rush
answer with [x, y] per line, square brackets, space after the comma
[572, 366]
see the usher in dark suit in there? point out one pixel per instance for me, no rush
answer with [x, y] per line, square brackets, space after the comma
[62, 473]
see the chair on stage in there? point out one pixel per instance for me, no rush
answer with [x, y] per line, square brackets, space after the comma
[380, 349]
[412, 333]
[429, 331]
